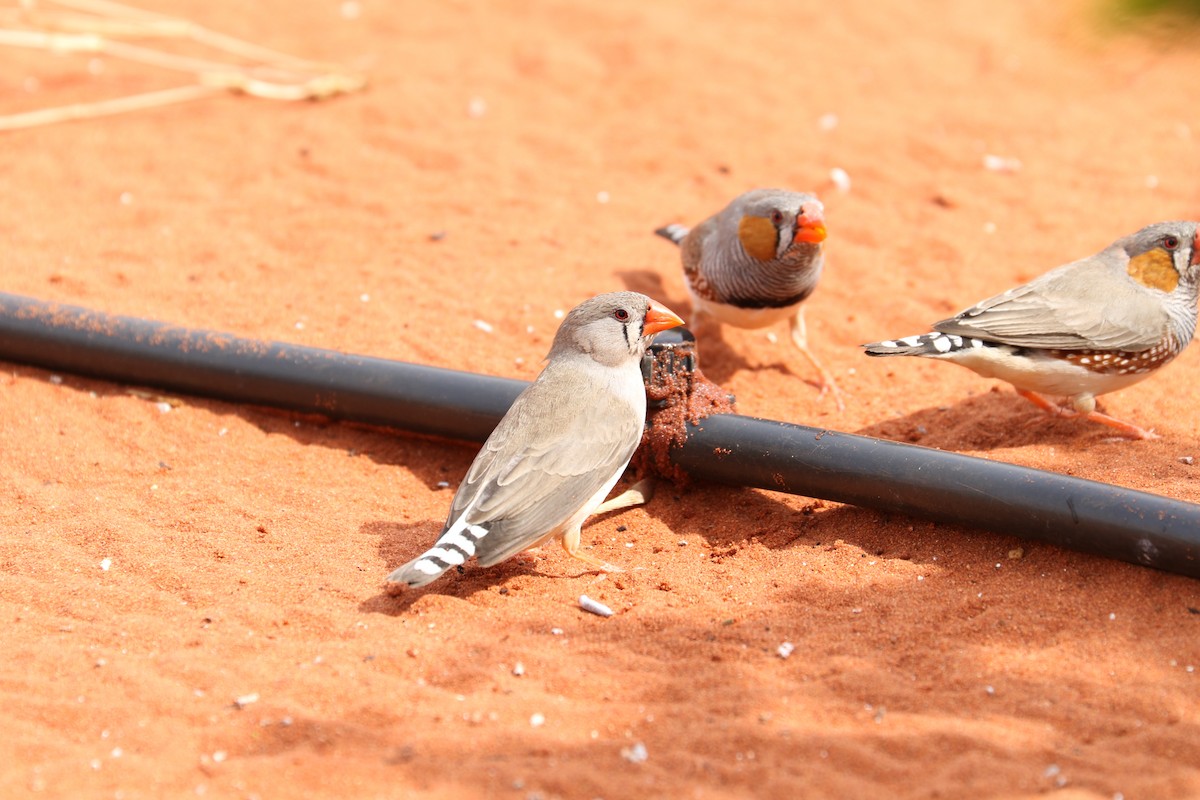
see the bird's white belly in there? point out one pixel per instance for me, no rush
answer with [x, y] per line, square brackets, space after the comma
[1040, 374]
[742, 317]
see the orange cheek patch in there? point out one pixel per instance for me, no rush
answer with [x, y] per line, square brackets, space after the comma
[1154, 270]
[759, 237]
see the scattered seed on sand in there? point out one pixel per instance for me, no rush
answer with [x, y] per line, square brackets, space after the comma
[245, 700]
[635, 754]
[594, 606]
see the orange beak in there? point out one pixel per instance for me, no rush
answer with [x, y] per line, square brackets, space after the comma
[1196, 249]
[810, 224]
[659, 318]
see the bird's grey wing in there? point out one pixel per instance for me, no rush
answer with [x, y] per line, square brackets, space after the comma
[547, 457]
[1087, 305]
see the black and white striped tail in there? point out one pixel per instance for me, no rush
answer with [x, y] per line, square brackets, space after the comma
[675, 232]
[927, 344]
[453, 547]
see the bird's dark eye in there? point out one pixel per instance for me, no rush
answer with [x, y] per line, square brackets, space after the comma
[776, 217]
[1170, 242]
[621, 315]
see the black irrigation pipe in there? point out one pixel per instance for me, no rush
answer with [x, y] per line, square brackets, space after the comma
[1084, 515]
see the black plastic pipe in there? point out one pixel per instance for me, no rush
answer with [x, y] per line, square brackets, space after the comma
[413, 397]
[1084, 515]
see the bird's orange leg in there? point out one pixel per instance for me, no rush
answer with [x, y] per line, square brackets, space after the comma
[636, 495]
[1045, 403]
[570, 542]
[1050, 407]
[827, 384]
[1127, 428]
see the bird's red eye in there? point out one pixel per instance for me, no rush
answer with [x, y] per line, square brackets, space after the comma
[1170, 242]
[621, 315]
[776, 217]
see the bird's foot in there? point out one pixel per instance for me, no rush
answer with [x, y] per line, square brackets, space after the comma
[1126, 428]
[638, 494]
[597, 564]
[827, 386]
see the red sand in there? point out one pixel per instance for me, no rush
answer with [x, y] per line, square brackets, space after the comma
[246, 548]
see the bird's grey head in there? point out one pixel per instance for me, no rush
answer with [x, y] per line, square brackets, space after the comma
[612, 328]
[776, 224]
[1163, 256]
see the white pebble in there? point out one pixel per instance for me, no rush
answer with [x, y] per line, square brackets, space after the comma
[366, 298]
[219, 756]
[556, 631]
[994, 163]
[105, 564]
[594, 606]
[559, 313]
[56, 379]
[518, 669]
[636, 754]
[1112, 616]
[784, 650]
[163, 407]
[771, 337]
[840, 178]
[483, 326]
[246, 699]
[537, 720]
[1186, 460]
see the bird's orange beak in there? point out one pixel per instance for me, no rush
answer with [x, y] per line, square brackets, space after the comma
[1196, 248]
[659, 318]
[810, 224]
